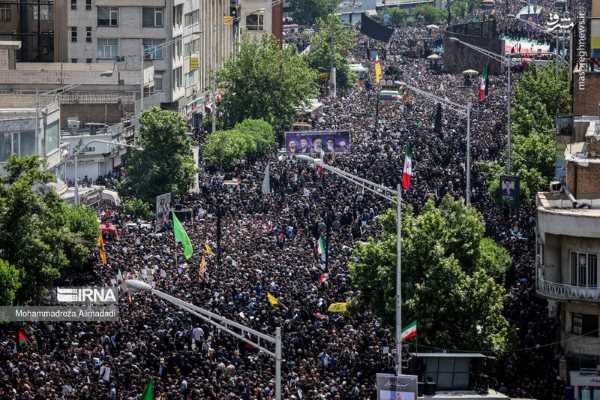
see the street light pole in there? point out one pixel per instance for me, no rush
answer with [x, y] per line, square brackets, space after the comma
[502, 60]
[399, 281]
[388, 194]
[223, 324]
[466, 111]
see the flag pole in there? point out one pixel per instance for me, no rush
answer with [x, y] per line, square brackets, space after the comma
[399, 282]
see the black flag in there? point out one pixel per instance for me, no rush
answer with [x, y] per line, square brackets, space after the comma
[374, 29]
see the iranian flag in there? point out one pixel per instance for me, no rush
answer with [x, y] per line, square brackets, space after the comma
[409, 331]
[21, 340]
[323, 277]
[407, 172]
[483, 90]
[321, 248]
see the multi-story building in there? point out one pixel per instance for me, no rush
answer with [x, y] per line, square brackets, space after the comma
[258, 17]
[32, 23]
[186, 40]
[30, 126]
[568, 248]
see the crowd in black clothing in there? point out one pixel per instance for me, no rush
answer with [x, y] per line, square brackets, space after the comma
[268, 244]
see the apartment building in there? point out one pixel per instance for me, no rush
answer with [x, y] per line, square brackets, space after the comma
[259, 17]
[30, 22]
[186, 40]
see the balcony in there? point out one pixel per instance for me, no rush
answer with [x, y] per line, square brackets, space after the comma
[563, 291]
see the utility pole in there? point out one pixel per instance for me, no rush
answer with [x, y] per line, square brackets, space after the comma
[333, 77]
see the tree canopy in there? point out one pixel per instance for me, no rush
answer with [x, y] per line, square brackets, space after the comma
[322, 56]
[165, 163]
[424, 13]
[539, 96]
[266, 81]
[451, 276]
[249, 139]
[306, 12]
[41, 237]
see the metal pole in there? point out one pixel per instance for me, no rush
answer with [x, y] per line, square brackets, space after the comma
[333, 74]
[509, 122]
[278, 363]
[142, 81]
[76, 180]
[468, 194]
[557, 48]
[399, 282]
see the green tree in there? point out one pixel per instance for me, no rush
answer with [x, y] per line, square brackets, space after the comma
[165, 163]
[9, 283]
[306, 12]
[268, 82]
[399, 16]
[430, 14]
[262, 132]
[450, 275]
[539, 96]
[323, 55]
[41, 237]
[138, 208]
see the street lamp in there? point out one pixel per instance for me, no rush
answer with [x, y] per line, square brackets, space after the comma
[224, 324]
[386, 193]
[502, 60]
[78, 151]
[465, 111]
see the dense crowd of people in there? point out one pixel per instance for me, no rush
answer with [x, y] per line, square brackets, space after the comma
[267, 244]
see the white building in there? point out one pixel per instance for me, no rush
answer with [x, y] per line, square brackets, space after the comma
[259, 17]
[186, 40]
[30, 127]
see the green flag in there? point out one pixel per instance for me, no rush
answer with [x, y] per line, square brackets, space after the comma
[182, 237]
[149, 390]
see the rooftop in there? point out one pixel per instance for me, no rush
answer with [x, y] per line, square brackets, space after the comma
[563, 203]
[465, 395]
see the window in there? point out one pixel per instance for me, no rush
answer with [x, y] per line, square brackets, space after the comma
[108, 48]
[158, 81]
[177, 78]
[189, 79]
[152, 17]
[108, 16]
[88, 4]
[74, 34]
[192, 18]
[44, 12]
[88, 60]
[88, 34]
[150, 48]
[178, 14]
[584, 324]
[255, 22]
[52, 137]
[73, 4]
[177, 49]
[584, 269]
[5, 14]
[19, 143]
[74, 60]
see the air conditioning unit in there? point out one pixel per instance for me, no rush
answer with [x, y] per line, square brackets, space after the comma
[555, 186]
[73, 123]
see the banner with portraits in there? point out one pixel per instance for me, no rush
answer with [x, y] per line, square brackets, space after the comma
[313, 142]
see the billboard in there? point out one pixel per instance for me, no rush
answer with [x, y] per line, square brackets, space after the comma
[392, 387]
[306, 142]
[595, 38]
[509, 189]
[163, 207]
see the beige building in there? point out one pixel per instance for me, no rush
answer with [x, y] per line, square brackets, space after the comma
[259, 17]
[185, 40]
[568, 248]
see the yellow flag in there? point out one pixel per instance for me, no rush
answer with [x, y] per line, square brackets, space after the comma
[338, 307]
[377, 69]
[209, 250]
[272, 299]
[101, 252]
[202, 268]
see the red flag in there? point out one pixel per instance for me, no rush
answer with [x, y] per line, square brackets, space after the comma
[323, 278]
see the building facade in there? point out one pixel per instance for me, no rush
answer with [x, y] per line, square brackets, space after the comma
[30, 126]
[259, 17]
[32, 23]
[185, 40]
[567, 252]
